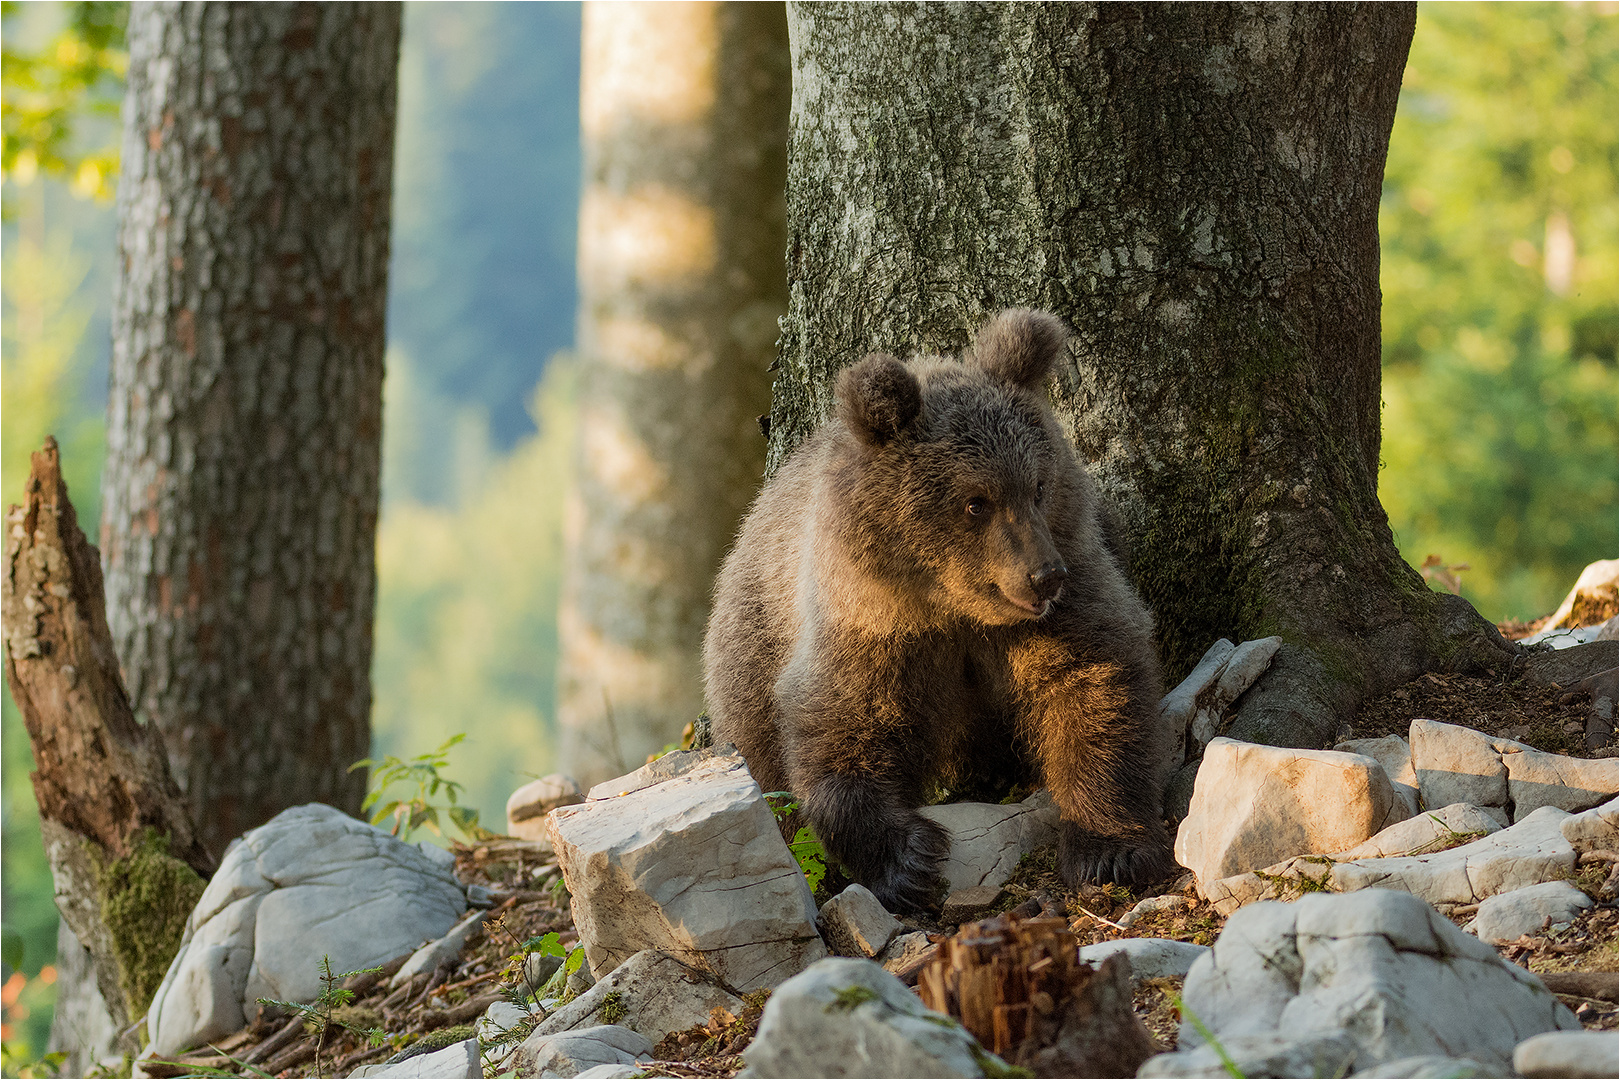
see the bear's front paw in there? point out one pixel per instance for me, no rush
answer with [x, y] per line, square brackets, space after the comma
[908, 879]
[1085, 858]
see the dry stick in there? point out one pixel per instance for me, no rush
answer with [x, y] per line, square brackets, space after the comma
[1099, 918]
[275, 1042]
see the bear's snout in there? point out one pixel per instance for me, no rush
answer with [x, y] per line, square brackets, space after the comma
[1048, 581]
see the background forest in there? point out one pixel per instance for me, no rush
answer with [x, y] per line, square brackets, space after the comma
[1499, 237]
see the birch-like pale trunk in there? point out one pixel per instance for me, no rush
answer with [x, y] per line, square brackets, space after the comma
[684, 121]
[245, 417]
[1194, 188]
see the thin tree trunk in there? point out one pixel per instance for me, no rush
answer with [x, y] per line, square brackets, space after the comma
[684, 119]
[1194, 188]
[127, 863]
[245, 416]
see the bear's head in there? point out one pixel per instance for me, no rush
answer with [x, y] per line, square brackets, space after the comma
[956, 481]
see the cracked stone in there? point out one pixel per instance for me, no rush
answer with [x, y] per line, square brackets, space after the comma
[688, 862]
[1382, 970]
[855, 923]
[653, 993]
[988, 839]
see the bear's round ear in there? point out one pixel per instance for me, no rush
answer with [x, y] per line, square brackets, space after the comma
[878, 398]
[1020, 346]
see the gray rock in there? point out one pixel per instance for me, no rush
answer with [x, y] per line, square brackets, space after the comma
[1459, 765]
[1256, 805]
[1510, 915]
[501, 1018]
[903, 951]
[1425, 832]
[855, 923]
[1425, 1067]
[1179, 707]
[528, 806]
[441, 951]
[1594, 829]
[610, 1072]
[846, 1017]
[668, 767]
[1258, 1056]
[1151, 958]
[1537, 779]
[692, 865]
[1568, 1053]
[455, 1061]
[988, 839]
[1382, 968]
[538, 968]
[311, 882]
[569, 1053]
[651, 993]
[967, 905]
[1395, 756]
[1528, 853]
[1153, 905]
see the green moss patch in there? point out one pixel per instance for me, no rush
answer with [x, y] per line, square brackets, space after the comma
[146, 898]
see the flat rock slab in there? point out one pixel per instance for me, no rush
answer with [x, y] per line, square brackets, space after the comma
[1568, 1053]
[458, 1061]
[651, 993]
[528, 806]
[967, 905]
[988, 839]
[1424, 1067]
[1528, 853]
[1393, 753]
[1151, 958]
[855, 923]
[1191, 714]
[311, 882]
[1510, 915]
[569, 1053]
[1381, 969]
[1253, 806]
[846, 1017]
[1425, 832]
[1594, 829]
[1258, 1056]
[690, 864]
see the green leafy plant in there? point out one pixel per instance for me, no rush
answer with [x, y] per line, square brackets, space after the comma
[807, 850]
[418, 811]
[321, 1014]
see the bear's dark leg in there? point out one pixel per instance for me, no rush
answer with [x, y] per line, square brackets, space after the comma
[1089, 723]
[881, 841]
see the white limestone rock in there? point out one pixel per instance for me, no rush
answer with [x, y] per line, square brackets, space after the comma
[692, 865]
[1151, 958]
[1392, 752]
[1425, 832]
[651, 993]
[988, 839]
[454, 1062]
[903, 951]
[1594, 829]
[1510, 915]
[1425, 1067]
[1179, 707]
[1381, 968]
[1459, 765]
[1568, 1054]
[569, 1053]
[1528, 853]
[1253, 806]
[502, 1018]
[1258, 1056]
[1537, 779]
[440, 951]
[528, 806]
[846, 1017]
[311, 882]
[855, 923]
[1153, 905]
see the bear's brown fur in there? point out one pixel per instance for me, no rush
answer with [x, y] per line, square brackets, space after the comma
[923, 586]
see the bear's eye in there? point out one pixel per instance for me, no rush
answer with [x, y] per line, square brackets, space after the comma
[1040, 491]
[978, 507]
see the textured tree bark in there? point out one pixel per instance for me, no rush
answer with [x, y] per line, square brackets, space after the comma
[245, 415]
[684, 118]
[1195, 189]
[122, 847]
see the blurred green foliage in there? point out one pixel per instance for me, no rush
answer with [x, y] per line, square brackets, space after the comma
[1499, 280]
[53, 88]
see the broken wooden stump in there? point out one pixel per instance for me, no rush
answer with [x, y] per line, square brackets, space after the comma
[124, 854]
[1020, 987]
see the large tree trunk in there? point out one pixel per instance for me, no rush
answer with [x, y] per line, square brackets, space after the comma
[1195, 189]
[126, 861]
[684, 120]
[245, 419]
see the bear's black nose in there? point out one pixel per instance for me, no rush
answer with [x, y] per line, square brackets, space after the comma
[1048, 580]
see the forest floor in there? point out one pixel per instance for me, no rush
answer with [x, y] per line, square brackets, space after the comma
[531, 904]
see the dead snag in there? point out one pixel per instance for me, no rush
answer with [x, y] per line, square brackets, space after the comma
[124, 854]
[1019, 986]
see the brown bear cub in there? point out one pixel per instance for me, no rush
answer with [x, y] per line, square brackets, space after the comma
[923, 587]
